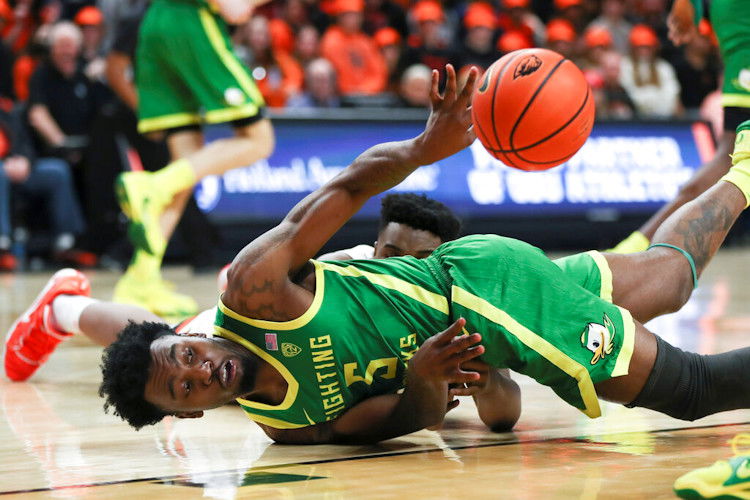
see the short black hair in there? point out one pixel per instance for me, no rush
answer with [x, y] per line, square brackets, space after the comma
[420, 212]
[125, 368]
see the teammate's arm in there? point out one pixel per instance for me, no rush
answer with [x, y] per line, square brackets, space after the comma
[283, 250]
[423, 403]
[497, 396]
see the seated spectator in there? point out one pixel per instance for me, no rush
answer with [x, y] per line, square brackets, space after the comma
[478, 47]
[276, 73]
[37, 179]
[295, 14]
[320, 87]
[355, 56]
[89, 20]
[697, 68]
[415, 86]
[307, 45]
[27, 62]
[596, 41]
[282, 36]
[518, 17]
[561, 37]
[381, 14]
[649, 80]
[512, 41]
[572, 11]
[612, 100]
[429, 45]
[389, 41]
[613, 20]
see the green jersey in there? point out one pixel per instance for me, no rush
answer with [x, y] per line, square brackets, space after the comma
[551, 321]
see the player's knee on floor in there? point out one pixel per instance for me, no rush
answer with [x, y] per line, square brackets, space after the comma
[690, 386]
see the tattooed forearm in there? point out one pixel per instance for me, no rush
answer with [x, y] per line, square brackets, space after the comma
[703, 233]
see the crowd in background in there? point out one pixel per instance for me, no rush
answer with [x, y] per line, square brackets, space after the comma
[67, 101]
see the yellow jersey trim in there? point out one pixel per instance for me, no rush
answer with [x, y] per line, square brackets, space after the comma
[227, 57]
[291, 324]
[231, 114]
[416, 292]
[293, 385]
[735, 100]
[605, 273]
[628, 340]
[167, 121]
[535, 342]
[273, 422]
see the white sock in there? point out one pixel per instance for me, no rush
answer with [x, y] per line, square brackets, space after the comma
[67, 310]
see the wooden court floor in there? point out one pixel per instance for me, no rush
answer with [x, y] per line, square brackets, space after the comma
[56, 442]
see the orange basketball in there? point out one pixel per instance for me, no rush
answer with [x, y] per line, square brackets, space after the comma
[532, 109]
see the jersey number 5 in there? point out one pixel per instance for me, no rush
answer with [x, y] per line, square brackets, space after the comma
[350, 370]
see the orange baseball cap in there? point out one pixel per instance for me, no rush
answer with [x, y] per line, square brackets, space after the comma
[480, 14]
[642, 35]
[282, 37]
[387, 36]
[427, 10]
[511, 4]
[5, 11]
[560, 30]
[513, 40]
[597, 36]
[89, 16]
[342, 6]
[564, 4]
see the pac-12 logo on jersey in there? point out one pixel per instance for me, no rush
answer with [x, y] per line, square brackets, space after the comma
[599, 339]
[290, 350]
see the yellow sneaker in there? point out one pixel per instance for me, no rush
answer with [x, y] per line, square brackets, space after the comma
[636, 242]
[156, 296]
[141, 201]
[724, 480]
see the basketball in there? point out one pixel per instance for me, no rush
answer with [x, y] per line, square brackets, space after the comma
[532, 109]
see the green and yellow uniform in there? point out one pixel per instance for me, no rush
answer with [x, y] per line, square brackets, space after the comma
[730, 20]
[186, 72]
[368, 317]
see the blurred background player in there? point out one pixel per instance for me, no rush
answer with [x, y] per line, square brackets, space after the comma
[186, 75]
[732, 28]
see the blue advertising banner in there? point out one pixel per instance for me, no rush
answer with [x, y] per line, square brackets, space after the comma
[626, 167]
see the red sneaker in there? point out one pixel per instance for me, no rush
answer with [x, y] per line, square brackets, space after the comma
[7, 261]
[31, 339]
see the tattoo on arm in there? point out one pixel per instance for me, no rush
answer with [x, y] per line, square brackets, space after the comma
[703, 234]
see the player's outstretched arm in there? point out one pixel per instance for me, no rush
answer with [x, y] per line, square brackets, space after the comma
[423, 403]
[283, 250]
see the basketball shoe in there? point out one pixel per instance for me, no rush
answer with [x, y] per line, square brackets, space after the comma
[155, 295]
[724, 480]
[32, 338]
[143, 203]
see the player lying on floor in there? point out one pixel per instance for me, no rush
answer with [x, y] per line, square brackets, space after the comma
[315, 351]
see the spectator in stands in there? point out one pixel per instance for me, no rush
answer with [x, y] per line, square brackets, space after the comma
[282, 37]
[277, 74]
[517, 16]
[572, 11]
[612, 100]
[320, 87]
[429, 45]
[390, 42]
[415, 86]
[511, 41]
[307, 45]
[359, 64]
[27, 62]
[90, 22]
[649, 80]
[561, 37]
[596, 41]
[697, 68]
[48, 180]
[295, 14]
[480, 22]
[613, 20]
[380, 14]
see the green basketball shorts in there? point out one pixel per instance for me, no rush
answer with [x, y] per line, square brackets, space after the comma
[551, 321]
[186, 72]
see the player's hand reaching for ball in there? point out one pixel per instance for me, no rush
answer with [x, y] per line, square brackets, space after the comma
[448, 128]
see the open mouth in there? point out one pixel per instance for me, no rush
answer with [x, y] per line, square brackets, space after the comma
[227, 373]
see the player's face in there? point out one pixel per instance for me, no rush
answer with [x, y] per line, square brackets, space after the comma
[397, 240]
[193, 373]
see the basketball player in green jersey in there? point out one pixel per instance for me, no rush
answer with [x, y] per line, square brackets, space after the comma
[186, 75]
[731, 23]
[315, 351]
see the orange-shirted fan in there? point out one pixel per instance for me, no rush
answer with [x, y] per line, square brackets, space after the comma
[533, 109]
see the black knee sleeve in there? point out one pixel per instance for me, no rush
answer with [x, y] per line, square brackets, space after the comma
[689, 386]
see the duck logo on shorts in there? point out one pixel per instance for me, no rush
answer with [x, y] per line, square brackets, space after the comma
[527, 66]
[599, 339]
